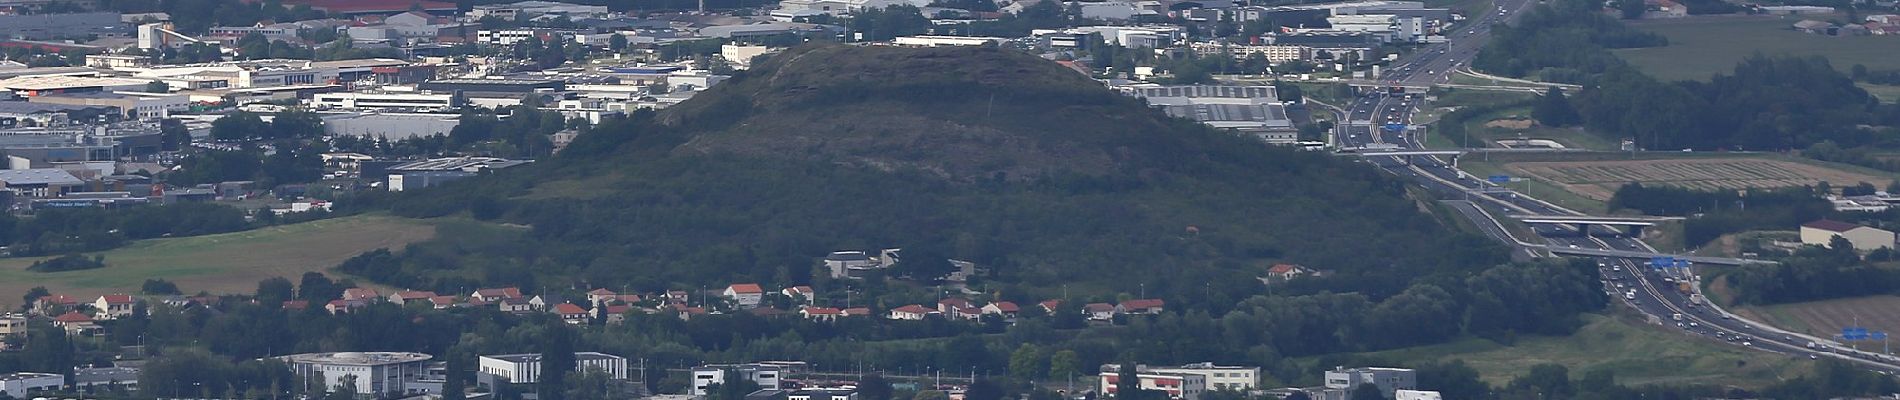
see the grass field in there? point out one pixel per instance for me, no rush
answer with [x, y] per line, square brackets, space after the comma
[1827, 317]
[1640, 353]
[224, 263]
[1540, 189]
[1600, 179]
[1702, 46]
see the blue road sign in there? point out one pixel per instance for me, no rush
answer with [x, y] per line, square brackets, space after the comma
[1877, 335]
[1854, 333]
[1395, 127]
[1499, 178]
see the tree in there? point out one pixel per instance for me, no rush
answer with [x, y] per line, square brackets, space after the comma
[1367, 391]
[1128, 383]
[1553, 109]
[1028, 362]
[157, 286]
[733, 386]
[173, 135]
[557, 359]
[930, 395]
[1631, 9]
[274, 291]
[874, 387]
[157, 87]
[1064, 364]
[33, 294]
[238, 126]
[617, 43]
[454, 387]
[984, 389]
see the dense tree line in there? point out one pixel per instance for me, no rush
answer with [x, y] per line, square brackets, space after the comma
[1814, 273]
[1717, 213]
[1765, 103]
[1561, 41]
[62, 231]
[69, 262]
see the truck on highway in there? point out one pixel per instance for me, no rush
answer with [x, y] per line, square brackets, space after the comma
[1676, 316]
[1683, 286]
[1631, 295]
[1695, 299]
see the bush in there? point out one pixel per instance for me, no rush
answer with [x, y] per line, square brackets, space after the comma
[69, 262]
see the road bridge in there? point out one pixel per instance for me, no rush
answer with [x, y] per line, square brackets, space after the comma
[1645, 255]
[1635, 224]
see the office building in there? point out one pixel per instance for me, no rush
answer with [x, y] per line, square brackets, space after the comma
[526, 368]
[768, 377]
[377, 374]
[18, 385]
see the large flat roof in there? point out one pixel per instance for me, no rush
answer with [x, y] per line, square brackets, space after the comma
[536, 357]
[357, 358]
[39, 176]
[66, 82]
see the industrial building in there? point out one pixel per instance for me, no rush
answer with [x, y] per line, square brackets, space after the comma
[1177, 385]
[1253, 111]
[18, 385]
[768, 377]
[385, 101]
[61, 26]
[1340, 382]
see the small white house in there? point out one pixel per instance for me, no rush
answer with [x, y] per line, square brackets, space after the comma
[745, 295]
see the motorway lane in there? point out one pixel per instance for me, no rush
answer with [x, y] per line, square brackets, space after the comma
[1652, 295]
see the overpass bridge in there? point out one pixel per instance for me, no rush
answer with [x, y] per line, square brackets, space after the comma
[1635, 224]
[1645, 255]
[1404, 156]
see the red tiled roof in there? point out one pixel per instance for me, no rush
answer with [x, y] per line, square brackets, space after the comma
[414, 295]
[296, 304]
[619, 309]
[913, 309]
[58, 299]
[568, 309]
[1282, 268]
[1005, 306]
[857, 311]
[1098, 307]
[359, 293]
[745, 288]
[1050, 304]
[507, 292]
[72, 317]
[823, 311]
[1830, 225]
[442, 300]
[1142, 304]
[601, 292]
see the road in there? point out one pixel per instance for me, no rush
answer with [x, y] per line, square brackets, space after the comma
[1651, 292]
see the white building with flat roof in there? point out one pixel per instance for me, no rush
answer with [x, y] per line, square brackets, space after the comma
[1218, 377]
[526, 368]
[379, 374]
[936, 41]
[766, 376]
[382, 101]
[18, 385]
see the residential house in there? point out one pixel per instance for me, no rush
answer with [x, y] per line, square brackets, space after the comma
[911, 312]
[407, 296]
[546, 301]
[677, 295]
[339, 307]
[857, 312]
[113, 306]
[1050, 306]
[601, 296]
[571, 314]
[1140, 306]
[494, 295]
[745, 295]
[12, 324]
[55, 304]
[616, 314]
[1099, 311]
[801, 294]
[361, 294]
[1285, 272]
[296, 305]
[966, 313]
[686, 313]
[76, 323]
[442, 302]
[950, 305]
[826, 314]
[514, 305]
[1864, 238]
[1004, 309]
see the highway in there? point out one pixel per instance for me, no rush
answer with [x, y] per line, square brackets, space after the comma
[1629, 281]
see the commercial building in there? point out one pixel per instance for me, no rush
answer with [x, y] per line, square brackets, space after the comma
[39, 182]
[526, 368]
[378, 374]
[1273, 53]
[134, 105]
[935, 41]
[1218, 377]
[768, 377]
[392, 125]
[491, 85]
[29, 86]
[1178, 386]
[1253, 111]
[385, 101]
[1864, 238]
[426, 173]
[18, 385]
[1340, 382]
[61, 26]
[1403, 394]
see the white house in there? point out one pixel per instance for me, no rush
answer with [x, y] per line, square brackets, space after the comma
[745, 295]
[113, 306]
[18, 385]
[911, 312]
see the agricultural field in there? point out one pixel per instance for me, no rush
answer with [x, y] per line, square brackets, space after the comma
[1640, 353]
[1827, 317]
[1703, 46]
[1600, 179]
[224, 263]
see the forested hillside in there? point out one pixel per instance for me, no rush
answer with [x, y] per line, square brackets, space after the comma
[1040, 175]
